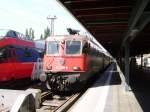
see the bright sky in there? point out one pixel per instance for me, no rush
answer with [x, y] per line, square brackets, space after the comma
[21, 14]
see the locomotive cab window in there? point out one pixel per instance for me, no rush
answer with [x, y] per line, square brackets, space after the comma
[53, 47]
[73, 47]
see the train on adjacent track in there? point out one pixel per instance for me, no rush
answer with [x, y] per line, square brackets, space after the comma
[20, 57]
[71, 60]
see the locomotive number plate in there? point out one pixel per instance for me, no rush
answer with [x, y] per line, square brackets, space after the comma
[61, 67]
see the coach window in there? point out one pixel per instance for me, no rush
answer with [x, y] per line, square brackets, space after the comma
[5, 54]
[2, 54]
[27, 53]
[53, 47]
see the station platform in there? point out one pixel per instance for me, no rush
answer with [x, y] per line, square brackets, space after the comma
[108, 95]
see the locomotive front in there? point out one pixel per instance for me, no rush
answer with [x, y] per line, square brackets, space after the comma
[64, 62]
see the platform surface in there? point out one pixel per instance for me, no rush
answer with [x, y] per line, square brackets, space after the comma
[108, 95]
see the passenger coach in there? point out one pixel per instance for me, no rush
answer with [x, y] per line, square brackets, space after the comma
[19, 56]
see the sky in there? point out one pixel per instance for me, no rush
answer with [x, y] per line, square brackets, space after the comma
[21, 14]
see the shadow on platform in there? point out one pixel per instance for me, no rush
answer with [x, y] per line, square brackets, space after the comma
[115, 78]
[140, 85]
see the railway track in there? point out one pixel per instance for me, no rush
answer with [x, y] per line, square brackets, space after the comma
[57, 103]
[61, 103]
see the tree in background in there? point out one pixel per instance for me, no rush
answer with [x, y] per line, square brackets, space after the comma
[30, 33]
[46, 33]
[26, 33]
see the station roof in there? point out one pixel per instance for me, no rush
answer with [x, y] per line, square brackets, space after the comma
[115, 22]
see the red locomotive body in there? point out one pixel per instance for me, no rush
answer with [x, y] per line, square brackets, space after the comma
[71, 59]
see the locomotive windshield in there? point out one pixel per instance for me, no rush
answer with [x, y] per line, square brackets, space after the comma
[53, 47]
[73, 47]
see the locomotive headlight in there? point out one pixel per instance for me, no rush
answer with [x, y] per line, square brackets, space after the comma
[76, 68]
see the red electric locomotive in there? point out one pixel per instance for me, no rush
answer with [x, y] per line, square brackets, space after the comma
[19, 56]
[70, 60]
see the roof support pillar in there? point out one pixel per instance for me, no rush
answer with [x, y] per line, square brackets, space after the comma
[127, 66]
[141, 61]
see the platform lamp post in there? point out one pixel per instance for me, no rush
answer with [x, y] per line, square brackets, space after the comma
[52, 18]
